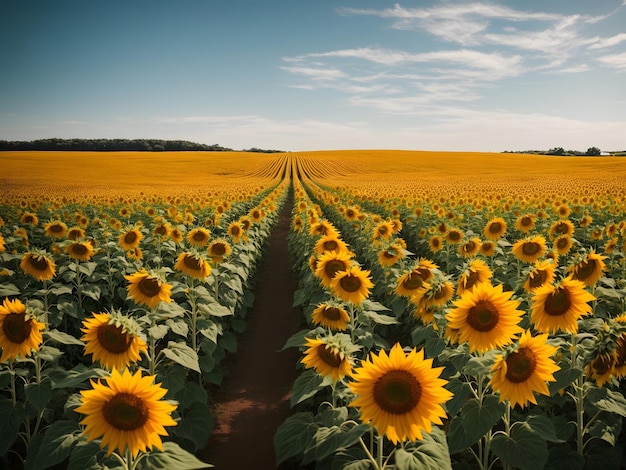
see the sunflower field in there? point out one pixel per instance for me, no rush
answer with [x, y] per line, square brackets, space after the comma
[462, 310]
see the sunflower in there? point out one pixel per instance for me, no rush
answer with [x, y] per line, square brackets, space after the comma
[411, 284]
[135, 254]
[495, 228]
[193, 265]
[112, 339]
[400, 394]
[218, 250]
[38, 265]
[351, 213]
[148, 288]
[439, 293]
[29, 219]
[235, 231]
[435, 243]
[589, 270]
[298, 224]
[352, 285]
[558, 307]
[476, 272]
[486, 317]
[330, 357]
[518, 374]
[470, 248]
[425, 269]
[619, 368]
[322, 228]
[198, 236]
[529, 249]
[383, 229]
[390, 255]
[75, 233]
[543, 273]
[82, 251]
[176, 235]
[525, 223]
[488, 248]
[130, 239]
[55, 229]
[561, 227]
[330, 243]
[20, 333]
[2, 242]
[454, 236]
[330, 316]
[585, 220]
[601, 368]
[329, 264]
[127, 411]
[162, 230]
[562, 244]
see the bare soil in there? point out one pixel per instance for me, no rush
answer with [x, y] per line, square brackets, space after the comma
[253, 400]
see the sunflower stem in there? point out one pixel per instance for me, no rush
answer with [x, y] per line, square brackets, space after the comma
[370, 457]
[580, 414]
[381, 442]
[13, 390]
[79, 296]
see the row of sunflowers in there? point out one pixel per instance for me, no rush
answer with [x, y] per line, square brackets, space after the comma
[456, 332]
[114, 321]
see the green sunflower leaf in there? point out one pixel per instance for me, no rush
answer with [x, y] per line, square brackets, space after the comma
[294, 436]
[604, 399]
[173, 456]
[305, 386]
[473, 421]
[523, 448]
[8, 290]
[182, 354]
[63, 338]
[12, 418]
[430, 453]
[56, 445]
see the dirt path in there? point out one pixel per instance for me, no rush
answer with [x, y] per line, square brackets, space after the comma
[254, 398]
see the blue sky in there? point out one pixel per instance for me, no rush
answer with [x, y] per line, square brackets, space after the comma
[308, 75]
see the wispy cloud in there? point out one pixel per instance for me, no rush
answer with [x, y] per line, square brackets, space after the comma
[617, 61]
[493, 43]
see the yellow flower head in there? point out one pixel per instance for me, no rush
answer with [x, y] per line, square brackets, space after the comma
[20, 333]
[126, 411]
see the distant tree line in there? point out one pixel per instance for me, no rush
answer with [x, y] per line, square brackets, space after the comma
[110, 145]
[560, 151]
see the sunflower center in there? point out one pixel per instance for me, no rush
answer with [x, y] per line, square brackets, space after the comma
[483, 316]
[333, 267]
[234, 230]
[39, 263]
[382, 230]
[562, 243]
[199, 236]
[15, 328]
[330, 357]
[79, 249]
[561, 228]
[520, 365]
[397, 392]
[495, 227]
[149, 287]
[620, 352]
[531, 248]
[472, 278]
[469, 246]
[160, 230]
[130, 237]
[454, 236]
[585, 269]
[350, 283]
[29, 219]
[602, 364]
[413, 281]
[56, 228]
[218, 249]
[113, 339]
[192, 263]
[125, 412]
[526, 221]
[330, 245]
[538, 278]
[332, 313]
[557, 303]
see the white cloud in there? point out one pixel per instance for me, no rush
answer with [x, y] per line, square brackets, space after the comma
[316, 73]
[600, 43]
[617, 61]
